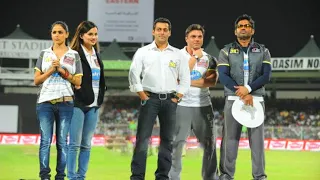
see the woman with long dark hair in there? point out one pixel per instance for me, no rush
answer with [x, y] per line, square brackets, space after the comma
[88, 98]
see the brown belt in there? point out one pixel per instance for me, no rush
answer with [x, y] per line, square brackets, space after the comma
[62, 99]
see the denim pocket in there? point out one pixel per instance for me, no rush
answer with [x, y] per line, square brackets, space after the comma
[144, 102]
[174, 104]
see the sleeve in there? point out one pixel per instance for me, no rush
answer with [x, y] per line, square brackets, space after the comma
[224, 71]
[266, 57]
[266, 72]
[78, 71]
[38, 66]
[184, 75]
[223, 59]
[135, 72]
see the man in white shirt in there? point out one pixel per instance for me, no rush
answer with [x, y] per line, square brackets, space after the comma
[195, 110]
[154, 74]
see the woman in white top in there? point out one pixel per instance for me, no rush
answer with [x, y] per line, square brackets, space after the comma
[88, 98]
[57, 70]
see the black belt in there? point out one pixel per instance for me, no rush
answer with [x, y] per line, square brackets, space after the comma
[164, 96]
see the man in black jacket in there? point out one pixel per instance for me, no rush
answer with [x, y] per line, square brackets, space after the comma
[244, 68]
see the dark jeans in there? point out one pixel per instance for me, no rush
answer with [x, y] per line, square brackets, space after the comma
[166, 111]
[47, 113]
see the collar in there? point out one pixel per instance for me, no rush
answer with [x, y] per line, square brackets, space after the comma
[86, 53]
[186, 51]
[51, 47]
[236, 43]
[153, 46]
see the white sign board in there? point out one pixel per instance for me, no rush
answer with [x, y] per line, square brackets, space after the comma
[9, 118]
[123, 20]
[295, 63]
[22, 48]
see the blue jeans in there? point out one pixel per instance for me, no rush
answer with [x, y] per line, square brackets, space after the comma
[83, 125]
[47, 113]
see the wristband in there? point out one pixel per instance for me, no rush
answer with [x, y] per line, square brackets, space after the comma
[66, 74]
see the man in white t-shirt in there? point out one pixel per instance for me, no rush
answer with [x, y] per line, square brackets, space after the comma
[195, 110]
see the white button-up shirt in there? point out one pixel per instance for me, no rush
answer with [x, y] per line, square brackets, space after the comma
[159, 71]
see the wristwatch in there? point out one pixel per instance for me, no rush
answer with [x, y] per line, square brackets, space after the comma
[197, 57]
[178, 98]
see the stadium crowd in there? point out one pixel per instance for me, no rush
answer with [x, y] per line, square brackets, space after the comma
[284, 118]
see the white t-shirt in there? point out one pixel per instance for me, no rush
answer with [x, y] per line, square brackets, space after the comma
[95, 69]
[198, 97]
[245, 68]
[55, 86]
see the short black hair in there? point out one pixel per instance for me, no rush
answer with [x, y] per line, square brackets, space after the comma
[194, 27]
[244, 17]
[162, 20]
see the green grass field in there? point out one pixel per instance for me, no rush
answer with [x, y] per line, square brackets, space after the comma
[21, 162]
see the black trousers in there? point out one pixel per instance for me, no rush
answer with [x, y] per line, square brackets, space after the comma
[165, 109]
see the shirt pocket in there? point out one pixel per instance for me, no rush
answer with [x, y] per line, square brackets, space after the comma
[149, 60]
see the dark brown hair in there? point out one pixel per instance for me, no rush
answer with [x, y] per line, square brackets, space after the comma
[82, 28]
[194, 27]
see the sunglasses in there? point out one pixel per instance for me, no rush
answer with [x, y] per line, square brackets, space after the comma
[244, 26]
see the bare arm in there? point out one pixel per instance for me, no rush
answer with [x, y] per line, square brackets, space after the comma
[202, 83]
[192, 62]
[74, 79]
[209, 81]
[40, 77]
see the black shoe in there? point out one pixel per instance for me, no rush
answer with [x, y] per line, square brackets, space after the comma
[262, 178]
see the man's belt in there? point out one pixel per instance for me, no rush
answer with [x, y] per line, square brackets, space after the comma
[164, 96]
[62, 99]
